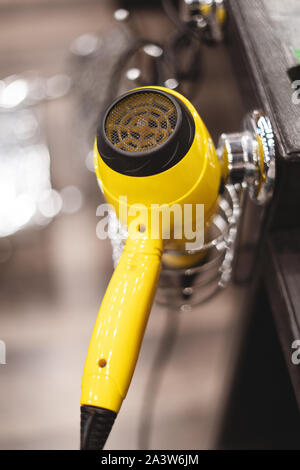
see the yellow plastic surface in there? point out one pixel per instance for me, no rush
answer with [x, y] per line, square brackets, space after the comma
[120, 325]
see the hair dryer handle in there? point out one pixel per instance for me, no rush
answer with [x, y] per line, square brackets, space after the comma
[120, 325]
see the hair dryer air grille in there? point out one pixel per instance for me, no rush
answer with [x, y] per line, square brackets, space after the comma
[141, 121]
[145, 132]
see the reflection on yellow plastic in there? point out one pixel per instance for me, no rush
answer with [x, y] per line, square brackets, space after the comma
[221, 14]
[206, 10]
[123, 315]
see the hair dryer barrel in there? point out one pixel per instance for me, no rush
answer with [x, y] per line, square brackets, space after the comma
[163, 155]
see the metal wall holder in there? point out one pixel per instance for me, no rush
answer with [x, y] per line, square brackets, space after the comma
[184, 288]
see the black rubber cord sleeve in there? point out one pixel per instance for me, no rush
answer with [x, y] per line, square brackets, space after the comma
[95, 426]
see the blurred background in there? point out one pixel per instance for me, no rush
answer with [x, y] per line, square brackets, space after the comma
[60, 62]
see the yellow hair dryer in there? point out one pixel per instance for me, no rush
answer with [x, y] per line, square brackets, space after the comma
[152, 148]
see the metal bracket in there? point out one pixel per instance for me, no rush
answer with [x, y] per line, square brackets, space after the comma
[248, 157]
[202, 14]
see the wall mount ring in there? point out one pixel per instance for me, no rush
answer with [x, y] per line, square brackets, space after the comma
[248, 157]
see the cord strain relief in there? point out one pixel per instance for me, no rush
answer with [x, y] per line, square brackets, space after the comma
[95, 426]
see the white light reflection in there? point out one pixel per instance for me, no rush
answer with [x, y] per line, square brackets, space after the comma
[85, 44]
[89, 162]
[153, 50]
[171, 83]
[58, 86]
[121, 14]
[50, 203]
[23, 209]
[71, 199]
[14, 93]
[24, 175]
[133, 73]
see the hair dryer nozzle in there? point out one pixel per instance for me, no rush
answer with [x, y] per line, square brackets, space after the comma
[144, 132]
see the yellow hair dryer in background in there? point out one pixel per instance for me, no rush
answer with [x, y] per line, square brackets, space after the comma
[152, 148]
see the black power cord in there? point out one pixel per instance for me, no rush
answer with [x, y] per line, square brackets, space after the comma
[118, 69]
[95, 426]
[185, 44]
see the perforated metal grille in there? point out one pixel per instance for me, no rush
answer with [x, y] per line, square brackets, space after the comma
[141, 122]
